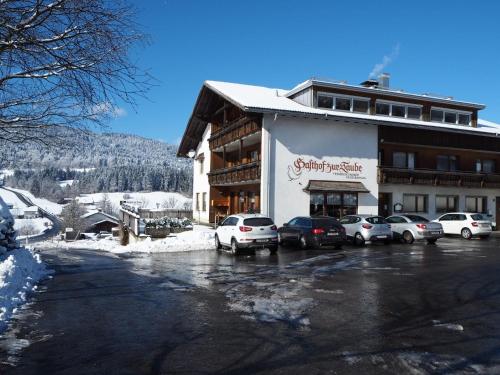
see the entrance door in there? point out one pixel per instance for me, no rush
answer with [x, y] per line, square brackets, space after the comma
[385, 204]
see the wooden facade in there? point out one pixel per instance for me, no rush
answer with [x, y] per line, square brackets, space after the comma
[427, 146]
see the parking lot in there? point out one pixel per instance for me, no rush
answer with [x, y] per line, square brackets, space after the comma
[377, 309]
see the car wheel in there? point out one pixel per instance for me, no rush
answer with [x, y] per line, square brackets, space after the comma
[302, 243]
[466, 233]
[408, 237]
[218, 245]
[431, 242]
[273, 249]
[234, 247]
[359, 239]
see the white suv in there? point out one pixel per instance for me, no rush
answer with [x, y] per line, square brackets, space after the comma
[247, 231]
[466, 224]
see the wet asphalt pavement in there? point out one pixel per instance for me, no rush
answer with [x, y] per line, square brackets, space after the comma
[394, 309]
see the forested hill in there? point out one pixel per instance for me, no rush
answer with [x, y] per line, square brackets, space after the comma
[91, 150]
[96, 162]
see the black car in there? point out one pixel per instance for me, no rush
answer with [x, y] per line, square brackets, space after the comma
[312, 231]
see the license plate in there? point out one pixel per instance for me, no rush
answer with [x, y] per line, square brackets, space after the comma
[381, 236]
[485, 225]
[435, 232]
[333, 234]
[261, 240]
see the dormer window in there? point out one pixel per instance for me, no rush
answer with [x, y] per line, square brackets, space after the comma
[395, 109]
[343, 103]
[450, 116]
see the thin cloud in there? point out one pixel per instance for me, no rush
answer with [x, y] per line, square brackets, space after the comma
[387, 59]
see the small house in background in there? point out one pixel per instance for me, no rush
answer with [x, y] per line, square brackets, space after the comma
[31, 212]
[98, 221]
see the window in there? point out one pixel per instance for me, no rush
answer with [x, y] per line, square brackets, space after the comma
[476, 204]
[450, 116]
[376, 220]
[446, 203]
[437, 115]
[398, 111]
[478, 217]
[334, 204]
[417, 219]
[204, 202]
[325, 101]
[415, 203]
[197, 201]
[317, 201]
[304, 222]
[414, 113]
[403, 160]
[382, 109]
[201, 162]
[254, 156]
[463, 119]
[485, 166]
[446, 163]
[258, 222]
[396, 220]
[360, 106]
[343, 104]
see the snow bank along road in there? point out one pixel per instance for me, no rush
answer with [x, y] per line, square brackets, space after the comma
[56, 227]
[381, 309]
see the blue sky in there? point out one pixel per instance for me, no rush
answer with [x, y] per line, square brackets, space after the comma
[442, 47]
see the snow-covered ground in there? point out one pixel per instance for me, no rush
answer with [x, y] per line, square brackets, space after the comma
[200, 238]
[31, 227]
[20, 270]
[12, 199]
[51, 207]
[154, 199]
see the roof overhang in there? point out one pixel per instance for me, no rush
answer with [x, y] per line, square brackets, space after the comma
[325, 185]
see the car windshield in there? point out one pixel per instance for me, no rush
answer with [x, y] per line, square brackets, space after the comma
[258, 222]
[326, 222]
[477, 217]
[417, 219]
[376, 220]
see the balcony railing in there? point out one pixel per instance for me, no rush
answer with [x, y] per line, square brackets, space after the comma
[233, 132]
[245, 173]
[391, 175]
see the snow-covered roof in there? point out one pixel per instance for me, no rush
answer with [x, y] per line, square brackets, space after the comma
[271, 100]
[31, 209]
[380, 91]
[92, 213]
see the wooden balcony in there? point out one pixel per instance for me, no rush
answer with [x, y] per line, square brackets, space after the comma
[239, 129]
[238, 175]
[391, 175]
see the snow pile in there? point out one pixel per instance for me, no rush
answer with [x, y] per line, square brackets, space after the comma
[200, 238]
[20, 270]
[191, 240]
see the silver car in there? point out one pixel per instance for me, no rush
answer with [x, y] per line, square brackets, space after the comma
[413, 227]
[361, 228]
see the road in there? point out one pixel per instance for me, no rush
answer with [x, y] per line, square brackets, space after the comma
[56, 223]
[382, 309]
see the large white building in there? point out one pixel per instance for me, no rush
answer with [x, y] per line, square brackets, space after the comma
[331, 148]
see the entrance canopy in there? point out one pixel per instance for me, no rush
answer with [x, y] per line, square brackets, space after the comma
[321, 185]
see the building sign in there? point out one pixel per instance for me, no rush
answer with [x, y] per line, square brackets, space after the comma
[344, 168]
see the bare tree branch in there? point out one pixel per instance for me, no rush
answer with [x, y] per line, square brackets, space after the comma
[65, 63]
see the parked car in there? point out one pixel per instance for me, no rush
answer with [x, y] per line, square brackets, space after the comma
[247, 231]
[361, 228]
[465, 224]
[312, 232]
[413, 227]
